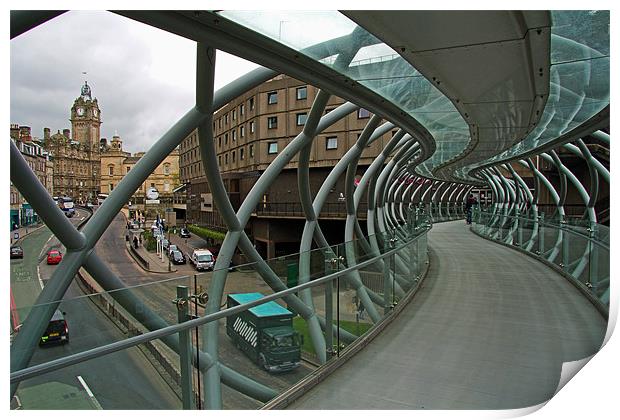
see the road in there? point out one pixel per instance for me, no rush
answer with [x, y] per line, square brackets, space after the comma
[158, 290]
[122, 380]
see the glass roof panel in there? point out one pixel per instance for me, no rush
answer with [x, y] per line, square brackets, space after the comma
[579, 79]
[579, 85]
[375, 65]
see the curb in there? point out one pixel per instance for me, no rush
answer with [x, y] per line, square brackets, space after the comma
[139, 263]
[167, 369]
[131, 251]
[21, 237]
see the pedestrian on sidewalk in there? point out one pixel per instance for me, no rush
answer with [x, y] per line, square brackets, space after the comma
[135, 242]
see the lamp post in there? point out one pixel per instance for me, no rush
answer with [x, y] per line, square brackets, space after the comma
[169, 268]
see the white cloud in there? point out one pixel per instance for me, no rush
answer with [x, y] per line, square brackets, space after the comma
[142, 77]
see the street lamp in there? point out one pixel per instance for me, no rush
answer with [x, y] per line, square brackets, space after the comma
[169, 268]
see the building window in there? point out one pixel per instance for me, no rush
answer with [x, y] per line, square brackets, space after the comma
[272, 147]
[363, 113]
[251, 151]
[241, 109]
[272, 98]
[234, 135]
[219, 141]
[242, 131]
[331, 143]
[301, 118]
[251, 126]
[111, 169]
[219, 123]
[302, 93]
[225, 139]
[128, 168]
[234, 114]
[111, 187]
[152, 185]
[241, 153]
[233, 156]
[219, 160]
[272, 122]
[251, 103]
[226, 158]
[225, 119]
[167, 169]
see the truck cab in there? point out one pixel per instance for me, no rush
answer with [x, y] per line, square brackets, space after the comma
[264, 333]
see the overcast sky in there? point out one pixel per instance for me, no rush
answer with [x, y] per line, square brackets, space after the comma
[142, 77]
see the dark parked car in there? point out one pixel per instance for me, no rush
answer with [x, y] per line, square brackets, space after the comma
[17, 252]
[184, 233]
[57, 330]
[177, 257]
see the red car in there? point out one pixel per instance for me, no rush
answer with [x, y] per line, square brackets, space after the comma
[54, 256]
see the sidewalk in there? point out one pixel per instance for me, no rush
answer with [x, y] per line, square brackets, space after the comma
[24, 231]
[154, 263]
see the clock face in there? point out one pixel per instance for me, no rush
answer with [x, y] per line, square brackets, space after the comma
[80, 111]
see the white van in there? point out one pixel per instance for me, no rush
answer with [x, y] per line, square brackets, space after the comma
[202, 259]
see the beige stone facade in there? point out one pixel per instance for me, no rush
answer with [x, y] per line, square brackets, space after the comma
[76, 153]
[116, 163]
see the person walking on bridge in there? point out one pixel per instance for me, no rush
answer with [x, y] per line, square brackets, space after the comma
[471, 202]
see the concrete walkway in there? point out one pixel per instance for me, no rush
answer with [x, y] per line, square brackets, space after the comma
[490, 329]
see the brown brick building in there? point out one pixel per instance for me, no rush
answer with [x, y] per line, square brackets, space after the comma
[249, 132]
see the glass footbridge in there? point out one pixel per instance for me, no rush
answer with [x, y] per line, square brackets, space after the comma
[414, 308]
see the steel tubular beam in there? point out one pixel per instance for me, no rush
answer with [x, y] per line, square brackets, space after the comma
[39, 198]
[23, 21]
[594, 184]
[602, 170]
[567, 174]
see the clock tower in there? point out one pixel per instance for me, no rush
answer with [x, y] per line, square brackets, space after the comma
[86, 120]
[85, 131]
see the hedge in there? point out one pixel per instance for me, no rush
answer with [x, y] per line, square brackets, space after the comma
[205, 233]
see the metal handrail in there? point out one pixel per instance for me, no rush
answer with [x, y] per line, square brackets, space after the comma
[545, 223]
[73, 359]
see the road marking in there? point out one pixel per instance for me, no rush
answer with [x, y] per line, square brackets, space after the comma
[90, 394]
[39, 276]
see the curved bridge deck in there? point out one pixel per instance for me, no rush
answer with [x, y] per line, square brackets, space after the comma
[490, 329]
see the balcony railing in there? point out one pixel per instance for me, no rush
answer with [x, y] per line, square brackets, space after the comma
[336, 210]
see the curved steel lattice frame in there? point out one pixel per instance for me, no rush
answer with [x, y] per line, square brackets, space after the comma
[389, 184]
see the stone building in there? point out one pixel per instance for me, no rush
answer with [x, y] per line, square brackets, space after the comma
[76, 152]
[38, 159]
[249, 132]
[116, 163]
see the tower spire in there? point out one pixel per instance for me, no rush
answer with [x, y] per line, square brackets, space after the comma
[86, 90]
